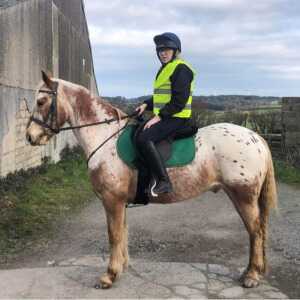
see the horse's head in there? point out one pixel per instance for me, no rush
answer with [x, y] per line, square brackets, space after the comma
[49, 112]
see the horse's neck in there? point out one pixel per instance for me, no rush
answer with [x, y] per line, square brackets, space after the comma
[87, 110]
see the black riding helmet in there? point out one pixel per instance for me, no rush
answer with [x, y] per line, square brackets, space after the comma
[167, 40]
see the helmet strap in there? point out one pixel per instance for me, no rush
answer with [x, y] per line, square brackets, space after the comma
[175, 54]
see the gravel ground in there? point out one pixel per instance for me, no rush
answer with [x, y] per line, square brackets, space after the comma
[205, 230]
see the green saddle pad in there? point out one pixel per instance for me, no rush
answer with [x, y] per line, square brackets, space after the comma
[183, 150]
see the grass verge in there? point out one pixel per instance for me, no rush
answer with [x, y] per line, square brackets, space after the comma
[287, 173]
[32, 201]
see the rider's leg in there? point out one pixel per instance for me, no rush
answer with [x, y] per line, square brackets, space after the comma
[146, 143]
[157, 168]
[143, 179]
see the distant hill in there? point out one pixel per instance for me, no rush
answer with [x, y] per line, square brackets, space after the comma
[220, 102]
[236, 101]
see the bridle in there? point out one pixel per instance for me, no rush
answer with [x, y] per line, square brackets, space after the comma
[52, 113]
[54, 127]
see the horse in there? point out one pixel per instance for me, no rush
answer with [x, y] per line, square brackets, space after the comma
[228, 157]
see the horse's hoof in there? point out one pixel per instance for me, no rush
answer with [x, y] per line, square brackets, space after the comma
[242, 278]
[249, 282]
[106, 282]
[126, 264]
[125, 267]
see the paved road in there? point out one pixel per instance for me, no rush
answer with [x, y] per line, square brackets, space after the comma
[177, 250]
[74, 278]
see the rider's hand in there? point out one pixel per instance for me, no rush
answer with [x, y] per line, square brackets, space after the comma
[152, 121]
[141, 108]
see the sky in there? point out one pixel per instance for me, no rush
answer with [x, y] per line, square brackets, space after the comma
[242, 47]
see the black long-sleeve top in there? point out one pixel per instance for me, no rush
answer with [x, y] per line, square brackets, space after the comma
[181, 80]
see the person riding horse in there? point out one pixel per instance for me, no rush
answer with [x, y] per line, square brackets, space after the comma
[171, 104]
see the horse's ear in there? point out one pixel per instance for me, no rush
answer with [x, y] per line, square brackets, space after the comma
[47, 80]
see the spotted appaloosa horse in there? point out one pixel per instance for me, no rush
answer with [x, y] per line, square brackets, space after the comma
[228, 157]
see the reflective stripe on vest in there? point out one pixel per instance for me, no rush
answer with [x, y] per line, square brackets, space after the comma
[162, 90]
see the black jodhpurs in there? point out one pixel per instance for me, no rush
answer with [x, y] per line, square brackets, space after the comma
[160, 131]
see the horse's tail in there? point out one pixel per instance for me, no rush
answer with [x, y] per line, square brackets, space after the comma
[268, 194]
[266, 201]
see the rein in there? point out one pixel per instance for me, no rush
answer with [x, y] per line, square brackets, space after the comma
[103, 143]
[52, 114]
[58, 130]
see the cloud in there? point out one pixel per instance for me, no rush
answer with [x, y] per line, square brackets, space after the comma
[123, 37]
[283, 71]
[206, 4]
[222, 38]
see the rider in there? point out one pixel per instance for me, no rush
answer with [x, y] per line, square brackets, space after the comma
[171, 104]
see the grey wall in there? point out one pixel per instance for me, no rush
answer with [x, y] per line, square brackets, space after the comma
[36, 35]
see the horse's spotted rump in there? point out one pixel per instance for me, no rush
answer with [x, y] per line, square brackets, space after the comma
[245, 157]
[253, 139]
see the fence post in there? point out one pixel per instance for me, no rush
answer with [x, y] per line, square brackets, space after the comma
[291, 129]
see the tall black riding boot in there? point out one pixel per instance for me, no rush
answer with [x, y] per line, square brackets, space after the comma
[156, 165]
[143, 179]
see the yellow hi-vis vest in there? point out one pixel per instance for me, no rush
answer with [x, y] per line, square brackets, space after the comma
[162, 89]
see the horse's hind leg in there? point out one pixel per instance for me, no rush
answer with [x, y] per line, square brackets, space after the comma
[249, 211]
[257, 266]
[115, 214]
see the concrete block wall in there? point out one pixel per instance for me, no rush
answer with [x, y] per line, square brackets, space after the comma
[14, 153]
[38, 35]
[25, 155]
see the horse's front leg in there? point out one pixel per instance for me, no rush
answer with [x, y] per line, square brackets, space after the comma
[116, 224]
[125, 243]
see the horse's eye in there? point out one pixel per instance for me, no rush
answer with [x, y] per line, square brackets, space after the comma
[41, 102]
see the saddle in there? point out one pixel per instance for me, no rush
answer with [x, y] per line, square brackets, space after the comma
[176, 151]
